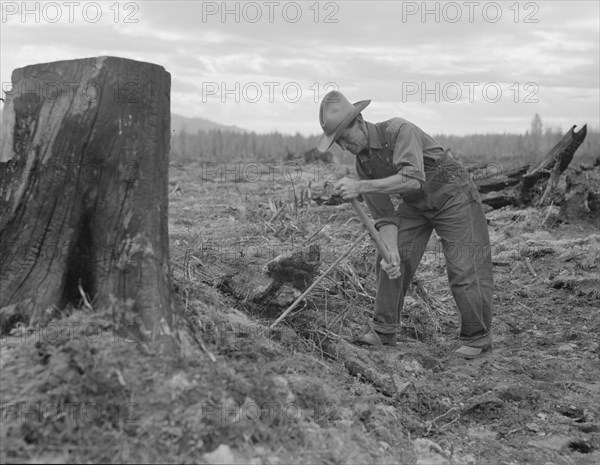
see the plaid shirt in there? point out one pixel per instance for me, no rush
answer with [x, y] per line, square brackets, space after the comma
[395, 146]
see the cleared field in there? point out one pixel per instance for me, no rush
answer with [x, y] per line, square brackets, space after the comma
[297, 394]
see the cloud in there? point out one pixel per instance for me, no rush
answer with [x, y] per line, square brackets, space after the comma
[183, 87]
[374, 50]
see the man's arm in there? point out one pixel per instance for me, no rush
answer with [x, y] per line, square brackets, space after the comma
[389, 235]
[395, 184]
[379, 202]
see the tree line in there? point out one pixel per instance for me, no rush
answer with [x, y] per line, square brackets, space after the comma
[219, 145]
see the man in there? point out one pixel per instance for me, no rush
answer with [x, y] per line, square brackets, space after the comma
[397, 157]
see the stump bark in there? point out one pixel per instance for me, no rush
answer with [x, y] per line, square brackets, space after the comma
[83, 193]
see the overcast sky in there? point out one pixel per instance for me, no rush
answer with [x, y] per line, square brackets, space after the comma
[450, 67]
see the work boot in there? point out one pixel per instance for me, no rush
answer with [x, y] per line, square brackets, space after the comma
[473, 349]
[373, 338]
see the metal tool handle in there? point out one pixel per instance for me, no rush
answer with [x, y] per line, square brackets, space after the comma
[381, 247]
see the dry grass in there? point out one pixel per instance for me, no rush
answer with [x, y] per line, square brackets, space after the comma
[230, 398]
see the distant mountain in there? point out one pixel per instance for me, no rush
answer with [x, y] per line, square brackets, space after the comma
[193, 125]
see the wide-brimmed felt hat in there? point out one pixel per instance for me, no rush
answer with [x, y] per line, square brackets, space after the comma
[335, 115]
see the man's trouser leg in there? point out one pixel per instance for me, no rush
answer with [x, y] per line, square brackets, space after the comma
[413, 234]
[462, 226]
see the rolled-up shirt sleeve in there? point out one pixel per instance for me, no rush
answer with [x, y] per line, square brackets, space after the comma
[408, 149]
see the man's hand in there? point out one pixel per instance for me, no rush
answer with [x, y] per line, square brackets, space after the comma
[392, 269]
[348, 188]
[389, 235]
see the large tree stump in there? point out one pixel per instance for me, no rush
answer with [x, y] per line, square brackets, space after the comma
[83, 196]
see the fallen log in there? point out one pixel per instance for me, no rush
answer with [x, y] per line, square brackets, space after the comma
[554, 163]
[358, 362]
[501, 199]
[493, 178]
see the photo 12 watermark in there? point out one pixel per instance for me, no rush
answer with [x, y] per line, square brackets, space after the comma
[267, 411]
[270, 12]
[268, 172]
[240, 251]
[91, 92]
[60, 331]
[267, 91]
[68, 412]
[71, 173]
[294, 172]
[471, 12]
[70, 12]
[469, 91]
[42, 248]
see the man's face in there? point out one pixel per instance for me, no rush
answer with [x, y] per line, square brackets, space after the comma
[353, 139]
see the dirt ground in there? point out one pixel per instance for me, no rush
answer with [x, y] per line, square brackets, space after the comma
[80, 392]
